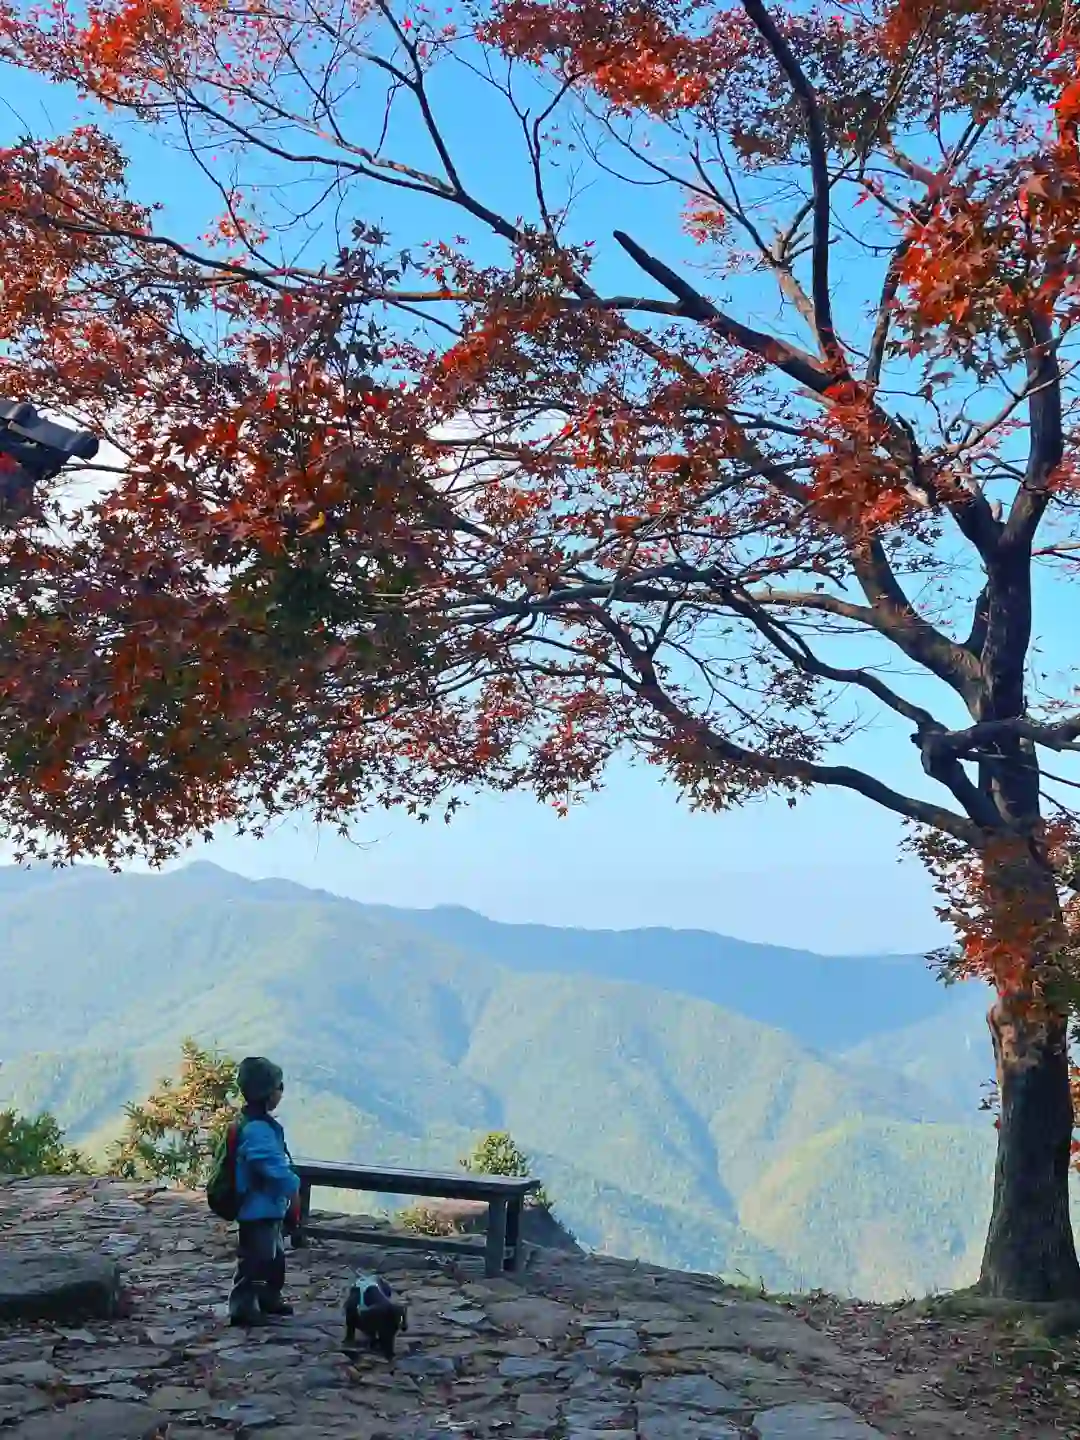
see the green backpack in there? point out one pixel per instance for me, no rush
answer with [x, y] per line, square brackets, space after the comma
[221, 1193]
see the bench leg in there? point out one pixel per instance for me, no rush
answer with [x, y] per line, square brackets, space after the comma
[516, 1259]
[495, 1252]
[299, 1239]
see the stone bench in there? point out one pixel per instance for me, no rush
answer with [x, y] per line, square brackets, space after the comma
[504, 1196]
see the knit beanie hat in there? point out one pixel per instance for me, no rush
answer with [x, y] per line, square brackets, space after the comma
[258, 1078]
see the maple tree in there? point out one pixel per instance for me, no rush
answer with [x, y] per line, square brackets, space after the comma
[390, 526]
[161, 624]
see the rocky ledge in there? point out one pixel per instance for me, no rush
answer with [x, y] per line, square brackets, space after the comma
[579, 1348]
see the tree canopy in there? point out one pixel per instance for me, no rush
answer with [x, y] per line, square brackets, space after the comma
[771, 443]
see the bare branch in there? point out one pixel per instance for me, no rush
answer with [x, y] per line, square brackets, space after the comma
[819, 171]
[889, 288]
[780, 767]
[795, 649]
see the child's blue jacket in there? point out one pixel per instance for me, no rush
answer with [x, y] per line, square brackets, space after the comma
[265, 1181]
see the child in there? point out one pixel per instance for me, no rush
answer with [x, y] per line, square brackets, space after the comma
[265, 1185]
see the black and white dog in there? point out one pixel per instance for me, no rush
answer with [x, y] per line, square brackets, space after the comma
[370, 1307]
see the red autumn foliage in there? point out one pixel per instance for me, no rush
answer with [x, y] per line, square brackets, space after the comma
[390, 525]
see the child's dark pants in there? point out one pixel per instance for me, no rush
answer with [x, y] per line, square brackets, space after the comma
[260, 1269]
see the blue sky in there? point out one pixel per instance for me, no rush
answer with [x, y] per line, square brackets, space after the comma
[824, 875]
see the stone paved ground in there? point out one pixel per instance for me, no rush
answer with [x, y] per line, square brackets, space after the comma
[592, 1349]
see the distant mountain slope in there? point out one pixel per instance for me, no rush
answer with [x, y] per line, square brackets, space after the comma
[949, 1055]
[915, 1201]
[827, 1001]
[665, 1125]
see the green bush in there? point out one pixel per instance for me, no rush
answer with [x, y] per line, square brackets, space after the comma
[424, 1220]
[36, 1147]
[498, 1153]
[174, 1133]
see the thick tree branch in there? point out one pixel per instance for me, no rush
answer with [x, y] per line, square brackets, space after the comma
[977, 522]
[642, 586]
[1047, 441]
[972, 515]
[792, 361]
[890, 287]
[814, 600]
[891, 614]
[979, 621]
[1063, 736]
[943, 765]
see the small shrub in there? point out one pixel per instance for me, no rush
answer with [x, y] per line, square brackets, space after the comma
[422, 1220]
[498, 1153]
[36, 1147]
[173, 1134]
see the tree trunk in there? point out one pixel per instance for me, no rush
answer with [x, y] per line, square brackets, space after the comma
[1030, 1251]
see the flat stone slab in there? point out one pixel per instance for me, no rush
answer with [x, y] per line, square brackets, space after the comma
[662, 1424]
[621, 1335]
[575, 1434]
[762, 1386]
[122, 1360]
[244, 1414]
[751, 1327]
[428, 1367]
[179, 1399]
[820, 1420]
[93, 1420]
[690, 1392]
[29, 1372]
[599, 1413]
[465, 1315]
[16, 1401]
[538, 1405]
[540, 1318]
[43, 1286]
[527, 1367]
